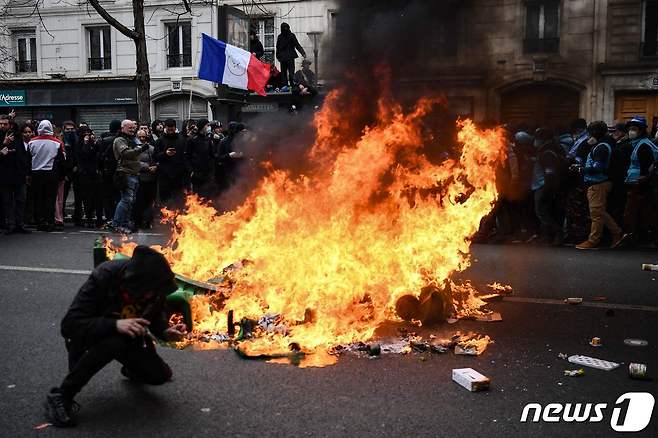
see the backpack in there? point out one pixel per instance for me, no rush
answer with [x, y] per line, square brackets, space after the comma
[108, 160]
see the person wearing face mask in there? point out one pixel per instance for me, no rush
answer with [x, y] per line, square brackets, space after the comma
[639, 202]
[199, 156]
[599, 186]
[287, 47]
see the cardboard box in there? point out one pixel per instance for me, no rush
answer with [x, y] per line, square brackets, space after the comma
[470, 379]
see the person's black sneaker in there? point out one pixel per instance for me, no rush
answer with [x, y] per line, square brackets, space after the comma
[59, 411]
[130, 375]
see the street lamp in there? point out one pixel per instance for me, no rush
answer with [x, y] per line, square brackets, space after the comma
[315, 37]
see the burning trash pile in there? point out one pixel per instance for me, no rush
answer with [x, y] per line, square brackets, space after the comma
[371, 232]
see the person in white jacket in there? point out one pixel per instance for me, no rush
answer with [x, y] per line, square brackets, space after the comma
[46, 151]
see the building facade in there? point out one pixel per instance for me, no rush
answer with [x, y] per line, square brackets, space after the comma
[533, 61]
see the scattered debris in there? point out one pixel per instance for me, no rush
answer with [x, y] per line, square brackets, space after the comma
[562, 356]
[451, 320]
[490, 317]
[637, 371]
[599, 298]
[11, 386]
[500, 288]
[649, 267]
[472, 344]
[574, 373]
[42, 426]
[374, 349]
[470, 379]
[593, 362]
[573, 300]
[205, 409]
[636, 342]
[595, 342]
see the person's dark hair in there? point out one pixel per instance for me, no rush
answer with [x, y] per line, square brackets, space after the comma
[621, 127]
[155, 123]
[544, 134]
[70, 123]
[598, 129]
[4, 117]
[201, 123]
[169, 123]
[24, 126]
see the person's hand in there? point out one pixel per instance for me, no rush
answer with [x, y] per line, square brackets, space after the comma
[12, 114]
[171, 152]
[132, 327]
[153, 169]
[176, 332]
[4, 150]
[9, 138]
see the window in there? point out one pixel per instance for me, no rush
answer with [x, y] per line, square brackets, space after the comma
[179, 42]
[542, 28]
[100, 48]
[264, 28]
[443, 36]
[26, 53]
[650, 36]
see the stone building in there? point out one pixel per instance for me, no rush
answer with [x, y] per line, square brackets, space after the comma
[533, 61]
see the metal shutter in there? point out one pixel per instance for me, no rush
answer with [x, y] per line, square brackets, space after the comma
[99, 118]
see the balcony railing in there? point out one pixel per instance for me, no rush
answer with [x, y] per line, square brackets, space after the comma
[94, 64]
[184, 60]
[544, 45]
[649, 50]
[26, 66]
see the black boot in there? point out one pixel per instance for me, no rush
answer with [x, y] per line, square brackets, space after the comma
[60, 411]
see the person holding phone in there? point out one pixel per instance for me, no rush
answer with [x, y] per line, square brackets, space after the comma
[173, 170]
[15, 170]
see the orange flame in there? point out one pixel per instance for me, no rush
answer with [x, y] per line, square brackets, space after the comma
[369, 222]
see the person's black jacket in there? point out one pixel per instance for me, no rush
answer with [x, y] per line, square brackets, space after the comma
[306, 79]
[16, 165]
[107, 160]
[87, 158]
[98, 304]
[256, 47]
[199, 155]
[552, 159]
[286, 44]
[175, 166]
[620, 161]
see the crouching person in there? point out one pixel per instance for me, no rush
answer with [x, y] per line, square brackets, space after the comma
[109, 319]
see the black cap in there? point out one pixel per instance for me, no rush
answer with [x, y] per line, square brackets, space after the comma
[115, 125]
[149, 271]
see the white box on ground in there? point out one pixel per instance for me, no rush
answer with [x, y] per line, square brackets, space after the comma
[470, 379]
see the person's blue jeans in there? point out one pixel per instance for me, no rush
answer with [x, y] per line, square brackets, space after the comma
[123, 212]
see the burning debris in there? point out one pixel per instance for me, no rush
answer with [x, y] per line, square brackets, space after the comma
[372, 227]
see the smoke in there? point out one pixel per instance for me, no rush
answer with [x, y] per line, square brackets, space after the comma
[379, 48]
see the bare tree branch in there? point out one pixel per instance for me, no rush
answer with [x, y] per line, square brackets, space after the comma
[113, 21]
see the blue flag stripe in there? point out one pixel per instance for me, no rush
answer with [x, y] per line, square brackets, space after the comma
[213, 59]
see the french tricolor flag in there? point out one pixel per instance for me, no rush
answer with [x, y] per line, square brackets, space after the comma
[232, 66]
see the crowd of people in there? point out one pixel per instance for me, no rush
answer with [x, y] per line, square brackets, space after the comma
[587, 186]
[117, 178]
[590, 186]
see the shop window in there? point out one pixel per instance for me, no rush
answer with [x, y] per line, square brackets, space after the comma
[179, 45]
[542, 26]
[26, 53]
[650, 37]
[99, 48]
[264, 28]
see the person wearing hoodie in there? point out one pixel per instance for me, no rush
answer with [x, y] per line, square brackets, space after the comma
[199, 156]
[89, 178]
[47, 152]
[597, 180]
[286, 53]
[111, 318]
[255, 46]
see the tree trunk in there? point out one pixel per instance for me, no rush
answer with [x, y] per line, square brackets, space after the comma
[142, 75]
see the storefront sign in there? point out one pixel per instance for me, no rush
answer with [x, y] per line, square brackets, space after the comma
[12, 97]
[260, 108]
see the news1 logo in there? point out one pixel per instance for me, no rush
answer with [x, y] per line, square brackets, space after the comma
[630, 413]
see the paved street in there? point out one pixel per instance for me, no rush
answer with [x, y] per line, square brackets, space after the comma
[214, 393]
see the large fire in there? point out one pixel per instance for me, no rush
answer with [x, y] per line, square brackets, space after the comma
[368, 222]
